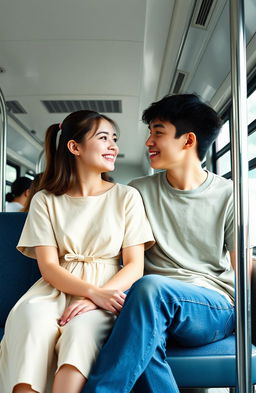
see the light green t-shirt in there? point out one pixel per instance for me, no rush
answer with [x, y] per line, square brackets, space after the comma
[193, 231]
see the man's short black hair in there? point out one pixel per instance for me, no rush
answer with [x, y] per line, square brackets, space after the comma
[188, 114]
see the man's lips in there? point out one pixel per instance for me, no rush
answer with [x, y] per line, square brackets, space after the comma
[153, 154]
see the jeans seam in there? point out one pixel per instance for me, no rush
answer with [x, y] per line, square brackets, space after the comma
[201, 303]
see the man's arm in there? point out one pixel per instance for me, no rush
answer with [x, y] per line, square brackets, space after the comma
[233, 259]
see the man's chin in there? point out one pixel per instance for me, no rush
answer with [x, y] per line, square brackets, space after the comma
[155, 166]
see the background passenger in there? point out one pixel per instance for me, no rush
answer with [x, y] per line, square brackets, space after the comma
[187, 295]
[16, 199]
[77, 228]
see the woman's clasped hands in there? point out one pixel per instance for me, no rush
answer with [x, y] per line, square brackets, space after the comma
[106, 299]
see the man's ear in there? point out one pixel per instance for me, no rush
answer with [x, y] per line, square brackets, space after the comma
[73, 147]
[27, 192]
[190, 140]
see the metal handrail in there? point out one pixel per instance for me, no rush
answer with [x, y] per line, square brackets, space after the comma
[39, 162]
[3, 142]
[241, 209]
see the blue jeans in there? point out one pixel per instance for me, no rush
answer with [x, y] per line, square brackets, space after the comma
[157, 308]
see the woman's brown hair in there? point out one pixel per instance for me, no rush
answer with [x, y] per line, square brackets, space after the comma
[60, 171]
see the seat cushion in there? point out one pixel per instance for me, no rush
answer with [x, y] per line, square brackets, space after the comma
[17, 272]
[212, 365]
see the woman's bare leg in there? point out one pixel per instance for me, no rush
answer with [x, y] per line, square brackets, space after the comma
[23, 388]
[68, 380]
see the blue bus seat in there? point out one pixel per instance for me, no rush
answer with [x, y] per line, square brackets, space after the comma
[17, 272]
[211, 365]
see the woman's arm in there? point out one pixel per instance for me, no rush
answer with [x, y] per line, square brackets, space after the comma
[133, 261]
[61, 279]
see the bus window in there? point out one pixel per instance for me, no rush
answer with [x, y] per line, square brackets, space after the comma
[224, 136]
[224, 164]
[251, 107]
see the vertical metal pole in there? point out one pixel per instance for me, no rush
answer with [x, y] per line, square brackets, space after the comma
[3, 141]
[240, 171]
[39, 162]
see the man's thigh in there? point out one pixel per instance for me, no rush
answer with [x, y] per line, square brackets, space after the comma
[200, 315]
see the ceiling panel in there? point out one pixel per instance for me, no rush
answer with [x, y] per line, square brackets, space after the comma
[68, 67]
[78, 19]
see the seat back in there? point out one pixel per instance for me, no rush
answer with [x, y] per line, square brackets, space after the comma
[17, 272]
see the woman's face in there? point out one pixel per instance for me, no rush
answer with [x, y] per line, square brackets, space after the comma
[99, 150]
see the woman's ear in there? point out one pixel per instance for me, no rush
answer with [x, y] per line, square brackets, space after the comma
[73, 147]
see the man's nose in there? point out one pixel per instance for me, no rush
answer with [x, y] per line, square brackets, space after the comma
[150, 141]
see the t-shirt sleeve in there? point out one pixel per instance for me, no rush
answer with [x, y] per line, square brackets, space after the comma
[37, 230]
[137, 227]
[229, 227]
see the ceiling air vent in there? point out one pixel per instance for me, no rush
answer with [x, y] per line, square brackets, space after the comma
[202, 14]
[15, 107]
[179, 82]
[67, 106]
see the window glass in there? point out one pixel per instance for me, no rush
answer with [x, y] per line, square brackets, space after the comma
[252, 146]
[224, 164]
[252, 174]
[7, 188]
[251, 107]
[224, 137]
[11, 173]
[252, 210]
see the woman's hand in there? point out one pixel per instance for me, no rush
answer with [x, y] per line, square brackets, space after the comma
[107, 299]
[76, 308]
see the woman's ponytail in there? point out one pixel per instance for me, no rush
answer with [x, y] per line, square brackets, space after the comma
[50, 151]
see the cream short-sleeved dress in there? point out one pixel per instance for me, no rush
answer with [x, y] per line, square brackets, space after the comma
[89, 233]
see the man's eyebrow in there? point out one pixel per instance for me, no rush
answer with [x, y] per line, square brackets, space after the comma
[156, 125]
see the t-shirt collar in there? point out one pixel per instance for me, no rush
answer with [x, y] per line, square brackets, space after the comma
[195, 191]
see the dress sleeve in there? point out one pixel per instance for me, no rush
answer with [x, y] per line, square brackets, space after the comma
[137, 227]
[37, 230]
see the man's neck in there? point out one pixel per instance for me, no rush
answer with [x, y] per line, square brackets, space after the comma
[186, 178]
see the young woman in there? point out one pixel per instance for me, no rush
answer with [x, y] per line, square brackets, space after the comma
[78, 227]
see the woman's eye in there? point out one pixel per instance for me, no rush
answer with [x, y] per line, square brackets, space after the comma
[115, 140]
[103, 137]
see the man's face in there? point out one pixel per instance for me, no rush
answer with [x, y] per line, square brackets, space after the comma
[165, 151]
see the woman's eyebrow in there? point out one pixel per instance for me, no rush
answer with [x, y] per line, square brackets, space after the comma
[104, 132]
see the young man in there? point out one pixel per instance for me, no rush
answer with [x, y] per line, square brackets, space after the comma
[187, 292]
